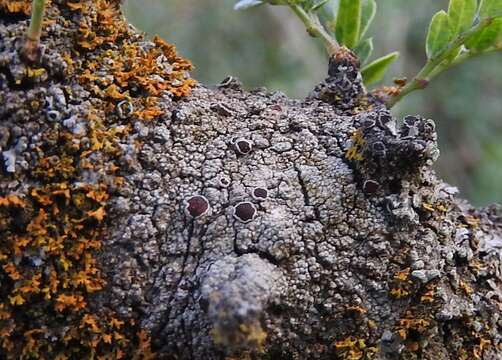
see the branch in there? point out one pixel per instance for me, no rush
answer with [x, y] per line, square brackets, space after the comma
[315, 28]
[438, 64]
[31, 46]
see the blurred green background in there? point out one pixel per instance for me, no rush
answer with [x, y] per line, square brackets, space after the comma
[268, 46]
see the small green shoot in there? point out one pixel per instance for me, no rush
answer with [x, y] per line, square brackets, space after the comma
[342, 23]
[469, 29]
[31, 48]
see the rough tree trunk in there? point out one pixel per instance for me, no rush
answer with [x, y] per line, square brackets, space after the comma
[145, 216]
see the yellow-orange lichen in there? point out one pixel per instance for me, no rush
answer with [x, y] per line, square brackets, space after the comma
[401, 284]
[151, 71]
[354, 153]
[352, 348]
[16, 6]
[410, 323]
[58, 224]
[429, 295]
[436, 207]
[467, 289]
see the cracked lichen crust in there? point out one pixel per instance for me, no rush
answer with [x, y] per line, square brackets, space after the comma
[324, 268]
[226, 224]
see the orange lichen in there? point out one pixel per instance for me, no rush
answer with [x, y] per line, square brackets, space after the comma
[73, 302]
[352, 348]
[436, 207]
[134, 68]
[466, 288]
[409, 325]
[143, 350]
[354, 153]
[16, 6]
[63, 226]
[430, 293]
[56, 226]
[403, 275]
[479, 349]
[12, 200]
[99, 25]
[385, 92]
[401, 284]
[356, 309]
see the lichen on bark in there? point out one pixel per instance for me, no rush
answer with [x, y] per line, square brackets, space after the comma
[221, 223]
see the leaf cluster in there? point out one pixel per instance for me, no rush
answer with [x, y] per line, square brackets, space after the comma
[469, 28]
[344, 22]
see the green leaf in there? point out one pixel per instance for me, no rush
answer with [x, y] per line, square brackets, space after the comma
[247, 4]
[348, 22]
[375, 71]
[461, 15]
[439, 34]
[364, 50]
[490, 8]
[368, 11]
[486, 37]
[454, 53]
[319, 5]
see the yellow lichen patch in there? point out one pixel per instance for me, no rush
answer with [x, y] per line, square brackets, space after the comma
[352, 348]
[399, 293]
[354, 153]
[410, 323]
[467, 289]
[12, 200]
[99, 23]
[35, 72]
[430, 293]
[254, 334]
[401, 284]
[471, 220]
[16, 6]
[141, 76]
[436, 207]
[51, 233]
[251, 334]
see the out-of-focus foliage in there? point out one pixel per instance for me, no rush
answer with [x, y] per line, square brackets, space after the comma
[269, 47]
[339, 23]
[469, 29]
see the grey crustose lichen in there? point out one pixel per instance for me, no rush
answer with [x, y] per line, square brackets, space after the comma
[319, 245]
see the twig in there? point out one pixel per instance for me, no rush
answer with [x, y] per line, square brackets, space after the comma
[32, 42]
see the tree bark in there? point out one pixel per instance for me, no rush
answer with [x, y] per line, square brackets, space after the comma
[145, 216]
